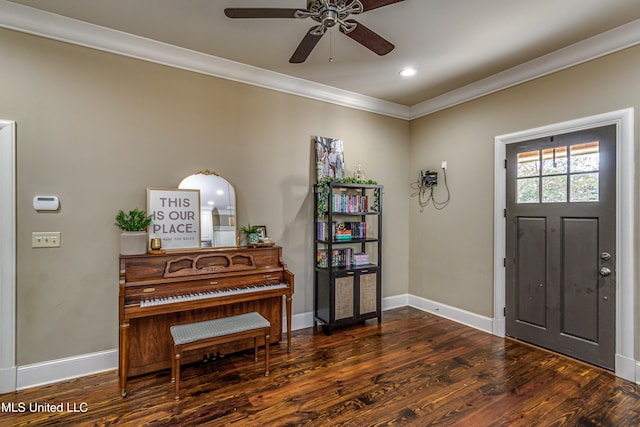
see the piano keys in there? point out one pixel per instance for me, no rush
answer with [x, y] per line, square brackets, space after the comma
[158, 291]
[176, 299]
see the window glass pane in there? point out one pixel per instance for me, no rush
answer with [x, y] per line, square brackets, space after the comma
[554, 189]
[554, 161]
[585, 157]
[585, 187]
[528, 190]
[529, 164]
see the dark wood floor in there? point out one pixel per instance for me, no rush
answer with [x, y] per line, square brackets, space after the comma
[413, 369]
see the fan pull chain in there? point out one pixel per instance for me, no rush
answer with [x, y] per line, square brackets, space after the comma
[330, 45]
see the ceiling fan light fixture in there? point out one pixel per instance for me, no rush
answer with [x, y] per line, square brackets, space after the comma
[328, 14]
[408, 72]
[330, 18]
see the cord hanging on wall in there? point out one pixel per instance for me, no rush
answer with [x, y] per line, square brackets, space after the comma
[424, 185]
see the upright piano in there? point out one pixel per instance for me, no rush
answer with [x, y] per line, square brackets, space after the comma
[158, 291]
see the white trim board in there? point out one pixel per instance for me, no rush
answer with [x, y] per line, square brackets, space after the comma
[459, 315]
[34, 21]
[625, 228]
[7, 257]
[53, 371]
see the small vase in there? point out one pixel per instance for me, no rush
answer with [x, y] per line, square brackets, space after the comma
[253, 237]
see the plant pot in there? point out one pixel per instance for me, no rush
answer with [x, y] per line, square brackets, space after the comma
[253, 237]
[134, 242]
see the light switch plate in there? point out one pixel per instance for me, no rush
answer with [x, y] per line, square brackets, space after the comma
[45, 239]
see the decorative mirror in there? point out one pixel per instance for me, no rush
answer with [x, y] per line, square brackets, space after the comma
[217, 209]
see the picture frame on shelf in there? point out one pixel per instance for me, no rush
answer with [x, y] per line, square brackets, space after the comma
[262, 231]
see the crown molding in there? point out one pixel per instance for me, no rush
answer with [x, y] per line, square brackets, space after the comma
[611, 41]
[45, 24]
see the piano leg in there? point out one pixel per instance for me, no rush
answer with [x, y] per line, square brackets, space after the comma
[124, 357]
[288, 302]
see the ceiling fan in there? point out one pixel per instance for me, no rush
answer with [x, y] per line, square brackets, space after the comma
[328, 13]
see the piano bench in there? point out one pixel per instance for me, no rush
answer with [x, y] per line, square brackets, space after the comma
[194, 336]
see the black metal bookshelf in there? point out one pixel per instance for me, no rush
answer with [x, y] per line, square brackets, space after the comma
[346, 292]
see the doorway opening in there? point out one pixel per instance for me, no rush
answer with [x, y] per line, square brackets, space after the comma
[7, 257]
[625, 214]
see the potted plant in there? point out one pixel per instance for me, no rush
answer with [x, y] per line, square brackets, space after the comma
[134, 237]
[252, 232]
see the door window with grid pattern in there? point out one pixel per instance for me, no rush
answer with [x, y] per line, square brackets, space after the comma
[560, 174]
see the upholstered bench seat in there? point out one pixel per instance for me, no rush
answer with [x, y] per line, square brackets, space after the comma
[194, 336]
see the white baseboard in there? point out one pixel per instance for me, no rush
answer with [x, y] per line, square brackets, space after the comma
[53, 371]
[63, 369]
[452, 313]
[299, 321]
[397, 301]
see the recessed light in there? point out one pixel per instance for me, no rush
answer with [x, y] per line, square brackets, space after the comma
[408, 72]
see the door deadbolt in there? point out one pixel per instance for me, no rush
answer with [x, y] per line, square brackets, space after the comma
[606, 256]
[605, 271]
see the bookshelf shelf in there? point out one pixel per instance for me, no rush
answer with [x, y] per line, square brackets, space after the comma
[348, 251]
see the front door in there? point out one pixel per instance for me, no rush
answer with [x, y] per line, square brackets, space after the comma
[560, 290]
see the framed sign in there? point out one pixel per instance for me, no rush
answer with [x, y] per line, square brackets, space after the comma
[175, 217]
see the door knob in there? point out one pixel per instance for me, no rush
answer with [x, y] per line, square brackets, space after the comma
[605, 256]
[605, 271]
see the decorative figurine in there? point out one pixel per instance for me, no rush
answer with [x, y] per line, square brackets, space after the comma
[359, 173]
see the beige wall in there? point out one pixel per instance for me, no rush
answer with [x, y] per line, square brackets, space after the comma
[97, 129]
[451, 251]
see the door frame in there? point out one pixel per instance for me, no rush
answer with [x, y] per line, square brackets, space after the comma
[8, 370]
[625, 364]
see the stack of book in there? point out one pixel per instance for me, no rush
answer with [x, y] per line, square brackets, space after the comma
[342, 230]
[339, 258]
[322, 231]
[350, 203]
[360, 258]
[358, 230]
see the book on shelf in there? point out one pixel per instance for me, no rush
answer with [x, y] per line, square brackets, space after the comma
[339, 258]
[361, 258]
[341, 231]
[350, 203]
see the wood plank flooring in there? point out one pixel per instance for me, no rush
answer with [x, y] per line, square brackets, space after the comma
[413, 369]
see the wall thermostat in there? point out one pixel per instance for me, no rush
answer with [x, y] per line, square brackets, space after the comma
[46, 203]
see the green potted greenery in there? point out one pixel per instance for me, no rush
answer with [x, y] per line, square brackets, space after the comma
[323, 191]
[134, 237]
[252, 232]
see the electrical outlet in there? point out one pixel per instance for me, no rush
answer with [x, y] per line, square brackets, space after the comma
[45, 239]
[444, 164]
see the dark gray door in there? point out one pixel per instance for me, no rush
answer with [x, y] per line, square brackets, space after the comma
[560, 278]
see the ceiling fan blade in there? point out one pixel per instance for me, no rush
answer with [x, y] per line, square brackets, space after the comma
[374, 4]
[257, 12]
[305, 47]
[369, 39]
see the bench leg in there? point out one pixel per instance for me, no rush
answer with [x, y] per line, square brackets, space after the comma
[176, 363]
[267, 337]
